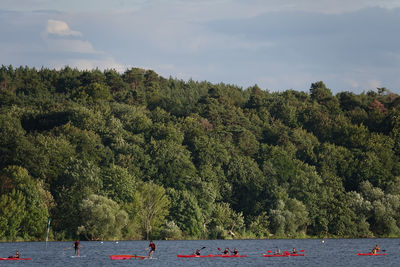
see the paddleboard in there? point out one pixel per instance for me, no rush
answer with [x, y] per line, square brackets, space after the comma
[126, 257]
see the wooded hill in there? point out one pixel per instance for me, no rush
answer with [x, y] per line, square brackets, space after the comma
[135, 155]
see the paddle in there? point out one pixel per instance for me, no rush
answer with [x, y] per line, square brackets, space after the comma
[299, 251]
[269, 251]
[220, 249]
[199, 249]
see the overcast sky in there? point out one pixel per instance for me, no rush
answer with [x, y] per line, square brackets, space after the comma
[277, 44]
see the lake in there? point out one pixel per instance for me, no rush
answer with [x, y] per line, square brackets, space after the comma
[333, 252]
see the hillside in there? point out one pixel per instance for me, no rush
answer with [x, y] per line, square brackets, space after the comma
[135, 155]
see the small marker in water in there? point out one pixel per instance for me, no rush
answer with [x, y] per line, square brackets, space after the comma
[323, 241]
[116, 242]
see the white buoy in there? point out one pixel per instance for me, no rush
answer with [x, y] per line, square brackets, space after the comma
[323, 241]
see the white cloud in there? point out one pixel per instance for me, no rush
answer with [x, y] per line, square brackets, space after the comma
[61, 28]
[76, 51]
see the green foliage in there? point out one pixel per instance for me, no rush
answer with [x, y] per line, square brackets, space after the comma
[151, 208]
[247, 185]
[16, 181]
[12, 213]
[173, 164]
[259, 225]
[289, 218]
[171, 231]
[385, 210]
[101, 218]
[118, 184]
[188, 159]
[225, 223]
[187, 213]
[12, 138]
[78, 181]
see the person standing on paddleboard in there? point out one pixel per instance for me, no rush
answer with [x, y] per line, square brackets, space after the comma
[76, 247]
[152, 248]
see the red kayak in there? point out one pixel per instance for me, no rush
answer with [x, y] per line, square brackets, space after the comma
[283, 255]
[371, 254]
[15, 259]
[211, 255]
[126, 257]
[276, 255]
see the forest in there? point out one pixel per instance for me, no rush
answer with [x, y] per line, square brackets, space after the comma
[106, 155]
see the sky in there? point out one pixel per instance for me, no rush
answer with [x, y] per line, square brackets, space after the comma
[277, 44]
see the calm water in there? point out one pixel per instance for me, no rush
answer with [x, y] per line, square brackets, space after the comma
[334, 252]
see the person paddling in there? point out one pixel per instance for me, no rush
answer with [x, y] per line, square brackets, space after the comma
[76, 247]
[278, 252]
[16, 256]
[294, 251]
[197, 252]
[376, 249]
[235, 251]
[226, 251]
[152, 248]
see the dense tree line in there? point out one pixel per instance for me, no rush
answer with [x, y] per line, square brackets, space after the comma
[135, 155]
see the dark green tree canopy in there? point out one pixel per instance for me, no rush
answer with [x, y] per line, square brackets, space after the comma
[93, 149]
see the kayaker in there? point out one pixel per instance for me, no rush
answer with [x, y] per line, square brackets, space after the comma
[16, 256]
[197, 252]
[235, 251]
[76, 247]
[226, 251]
[152, 248]
[376, 249]
[294, 251]
[278, 252]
